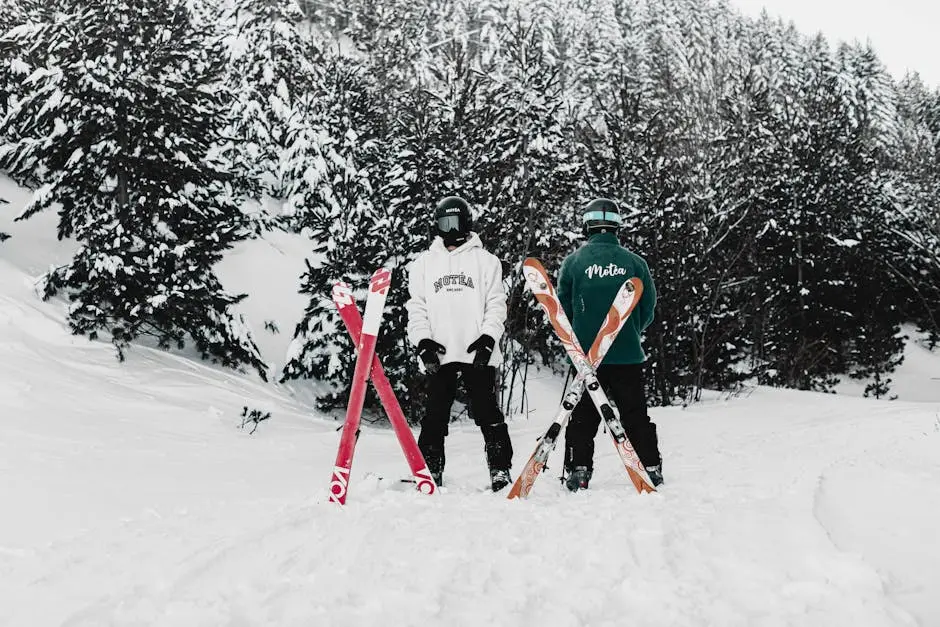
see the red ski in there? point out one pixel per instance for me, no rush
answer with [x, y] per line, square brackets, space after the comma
[625, 300]
[375, 303]
[346, 305]
[540, 284]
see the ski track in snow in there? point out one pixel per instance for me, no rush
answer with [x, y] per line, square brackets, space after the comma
[865, 503]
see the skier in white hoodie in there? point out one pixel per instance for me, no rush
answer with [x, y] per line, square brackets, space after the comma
[456, 315]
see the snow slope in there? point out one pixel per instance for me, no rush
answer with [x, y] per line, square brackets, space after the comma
[268, 270]
[129, 497]
[916, 379]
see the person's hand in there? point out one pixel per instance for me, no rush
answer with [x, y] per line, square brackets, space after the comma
[483, 347]
[428, 353]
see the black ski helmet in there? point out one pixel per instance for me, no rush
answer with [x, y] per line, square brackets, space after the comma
[452, 220]
[601, 215]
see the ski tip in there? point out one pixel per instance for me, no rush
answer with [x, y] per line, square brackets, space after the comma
[520, 489]
[532, 263]
[381, 280]
[535, 275]
[641, 484]
[423, 484]
[637, 286]
[526, 479]
[342, 294]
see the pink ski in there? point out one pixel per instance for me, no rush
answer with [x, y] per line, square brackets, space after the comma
[375, 303]
[345, 304]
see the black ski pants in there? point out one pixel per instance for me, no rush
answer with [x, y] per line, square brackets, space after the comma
[623, 384]
[480, 382]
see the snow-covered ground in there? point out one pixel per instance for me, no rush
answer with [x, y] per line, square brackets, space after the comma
[129, 497]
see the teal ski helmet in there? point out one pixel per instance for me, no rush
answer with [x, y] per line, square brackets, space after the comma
[601, 215]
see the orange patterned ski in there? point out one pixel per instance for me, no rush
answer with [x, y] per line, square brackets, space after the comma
[626, 299]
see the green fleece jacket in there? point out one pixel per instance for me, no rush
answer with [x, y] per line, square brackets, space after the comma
[587, 283]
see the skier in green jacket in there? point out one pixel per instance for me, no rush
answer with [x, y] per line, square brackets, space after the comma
[588, 281]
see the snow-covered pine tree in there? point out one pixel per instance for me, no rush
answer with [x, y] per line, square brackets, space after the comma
[760, 112]
[8, 19]
[708, 248]
[812, 169]
[915, 218]
[11, 14]
[875, 348]
[824, 199]
[120, 115]
[335, 166]
[695, 48]
[745, 175]
[273, 70]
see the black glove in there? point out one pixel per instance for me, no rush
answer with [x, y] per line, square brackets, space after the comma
[483, 347]
[428, 351]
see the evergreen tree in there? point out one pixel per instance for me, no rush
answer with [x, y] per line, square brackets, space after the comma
[272, 70]
[120, 116]
[779, 124]
[875, 346]
[335, 166]
[914, 218]
[11, 15]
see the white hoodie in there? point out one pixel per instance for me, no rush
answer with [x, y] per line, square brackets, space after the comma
[456, 296]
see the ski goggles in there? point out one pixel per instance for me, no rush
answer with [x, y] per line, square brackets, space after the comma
[606, 216]
[450, 223]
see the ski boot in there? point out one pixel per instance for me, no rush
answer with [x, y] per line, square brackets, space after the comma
[434, 458]
[656, 474]
[499, 479]
[578, 478]
[498, 455]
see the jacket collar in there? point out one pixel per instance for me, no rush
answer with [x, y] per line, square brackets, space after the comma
[473, 241]
[604, 238]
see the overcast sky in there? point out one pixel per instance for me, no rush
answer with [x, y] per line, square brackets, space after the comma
[903, 32]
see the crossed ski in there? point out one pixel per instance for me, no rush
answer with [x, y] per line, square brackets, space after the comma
[364, 332]
[627, 297]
